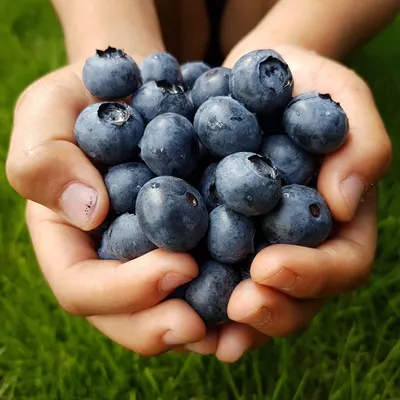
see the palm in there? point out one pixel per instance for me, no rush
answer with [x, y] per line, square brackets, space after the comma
[119, 297]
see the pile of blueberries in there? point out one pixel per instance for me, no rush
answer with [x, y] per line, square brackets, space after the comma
[217, 162]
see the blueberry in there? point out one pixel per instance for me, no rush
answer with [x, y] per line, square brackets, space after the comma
[207, 187]
[172, 213]
[230, 235]
[109, 132]
[209, 293]
[159, 66]
[169, 146]
[224, 126]
[262, 81]
[301, 218]
[125, 240]
[292, 162]
[159, 97]
[123, 183]
[316, 123]
[191, 71]
[212, 83]
[99, 231]
[105, 252]
[111, 74]
[247, 183]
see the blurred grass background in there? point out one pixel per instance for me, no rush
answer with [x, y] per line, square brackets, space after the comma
[350, 352]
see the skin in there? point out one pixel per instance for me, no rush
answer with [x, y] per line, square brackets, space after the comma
[116, 298]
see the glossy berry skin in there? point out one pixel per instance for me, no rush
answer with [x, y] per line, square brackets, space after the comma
[225, 127]
[316, 123]
[124, 240]
[212, 83]
[109, 132]
[301, 218]
[209, 293]
[191, 71]
[160, 66]
[247, 183]
[111, 74]
[207, 187]
[230, 235]
[159, 97]
[291, 161]
[172, 213]
[123, 183]
[170, 146]
[262, 81]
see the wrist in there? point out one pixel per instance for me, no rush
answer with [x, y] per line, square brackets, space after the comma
[130, 25]
[330, 28]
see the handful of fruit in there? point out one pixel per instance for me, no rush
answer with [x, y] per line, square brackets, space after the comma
[220, 163]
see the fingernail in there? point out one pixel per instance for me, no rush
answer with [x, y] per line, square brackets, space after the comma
[171, 281]
[283, 278]
[79, 203]
[261, 317]
[353, 189]
[170, 338]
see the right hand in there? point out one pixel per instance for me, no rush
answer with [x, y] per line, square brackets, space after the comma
[66, 199]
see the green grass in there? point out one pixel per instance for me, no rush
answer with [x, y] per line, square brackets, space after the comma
[350, 352]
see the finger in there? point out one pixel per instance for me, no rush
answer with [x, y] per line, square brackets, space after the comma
[207, 345]
[44, 164]
[269, 311]
[235, 339]
[85, 285]
[155, 330]
[338, 265]
[367, 154]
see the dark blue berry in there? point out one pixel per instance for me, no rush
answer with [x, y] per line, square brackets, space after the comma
[124, 240]
[170, 146]
[123, 183]
[209, 293]
[172, 213]
[230, 235]
[262, 81]
[159, 97]
[225, 127]
[111, 74]
[291, 161]
[109, 132]
[248, 183]
[191, 71]
[207, 187]
[160, 66]
[301, 218]
[316, 123]
[212, 83]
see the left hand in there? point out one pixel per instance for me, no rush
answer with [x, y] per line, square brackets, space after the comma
[288, 282]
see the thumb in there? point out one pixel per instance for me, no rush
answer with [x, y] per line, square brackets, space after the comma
[44, 165]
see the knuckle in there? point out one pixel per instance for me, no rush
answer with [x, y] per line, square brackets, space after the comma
[22, 168]
[67, 303]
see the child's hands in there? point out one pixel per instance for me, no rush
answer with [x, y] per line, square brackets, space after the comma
[290, 281]
[67, 193]
[123, 300]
